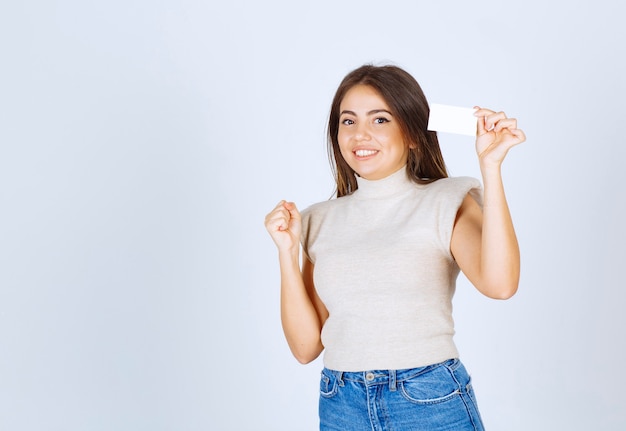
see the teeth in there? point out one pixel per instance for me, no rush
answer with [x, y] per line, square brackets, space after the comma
[365, 153]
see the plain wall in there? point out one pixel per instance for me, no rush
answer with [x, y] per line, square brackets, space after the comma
[143, 142]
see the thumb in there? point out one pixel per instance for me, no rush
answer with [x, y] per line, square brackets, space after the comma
[293, 210]
[481, 130]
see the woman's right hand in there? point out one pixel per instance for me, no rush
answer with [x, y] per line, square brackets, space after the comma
[284, 225]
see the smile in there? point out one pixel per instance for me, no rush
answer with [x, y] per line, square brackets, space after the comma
[365, 153]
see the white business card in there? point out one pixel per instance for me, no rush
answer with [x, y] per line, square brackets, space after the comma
[452, 119]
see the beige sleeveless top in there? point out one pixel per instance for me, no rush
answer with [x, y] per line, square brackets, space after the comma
[384, 270]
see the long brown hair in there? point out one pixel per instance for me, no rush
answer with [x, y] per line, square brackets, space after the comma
[408, 104]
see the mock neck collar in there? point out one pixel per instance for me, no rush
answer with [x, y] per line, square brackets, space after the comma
[396, 183]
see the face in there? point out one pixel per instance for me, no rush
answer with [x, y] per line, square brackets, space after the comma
[369, 136]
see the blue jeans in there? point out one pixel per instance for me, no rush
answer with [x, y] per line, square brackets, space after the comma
[434, 398]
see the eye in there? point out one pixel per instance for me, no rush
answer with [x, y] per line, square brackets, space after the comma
[347, 121]
[380, 120]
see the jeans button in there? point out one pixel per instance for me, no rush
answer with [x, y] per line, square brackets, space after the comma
[369, 377]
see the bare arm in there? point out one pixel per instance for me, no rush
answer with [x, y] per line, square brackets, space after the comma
[302, 312]
[484, 243]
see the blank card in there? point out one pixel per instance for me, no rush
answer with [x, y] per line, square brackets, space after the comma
[452, 119]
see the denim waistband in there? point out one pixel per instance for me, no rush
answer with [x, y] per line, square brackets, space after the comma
[391, 377]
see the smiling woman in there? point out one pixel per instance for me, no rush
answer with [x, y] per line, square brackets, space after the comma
[370, 138]
[395, 91]
[381, 261]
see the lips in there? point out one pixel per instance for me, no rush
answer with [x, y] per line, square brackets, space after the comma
[365, 153]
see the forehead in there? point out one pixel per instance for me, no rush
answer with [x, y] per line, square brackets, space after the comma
[362, 97]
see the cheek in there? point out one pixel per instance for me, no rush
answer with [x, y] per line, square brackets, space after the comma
[345, 153]
[342, 136]
[342, 140]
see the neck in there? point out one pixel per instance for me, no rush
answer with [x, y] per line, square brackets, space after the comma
[396, 183]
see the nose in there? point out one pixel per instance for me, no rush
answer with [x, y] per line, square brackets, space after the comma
[362, 132]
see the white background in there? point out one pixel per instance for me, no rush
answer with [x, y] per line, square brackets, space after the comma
[143, 142]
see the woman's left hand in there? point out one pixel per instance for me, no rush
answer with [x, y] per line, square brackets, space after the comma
[496, 135]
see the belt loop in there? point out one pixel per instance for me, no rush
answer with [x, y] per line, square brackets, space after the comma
[340, 378]
[392, 380]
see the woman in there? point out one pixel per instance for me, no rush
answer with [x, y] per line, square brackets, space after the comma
[380, 261]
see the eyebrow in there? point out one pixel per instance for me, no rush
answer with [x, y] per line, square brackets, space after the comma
[372, 112]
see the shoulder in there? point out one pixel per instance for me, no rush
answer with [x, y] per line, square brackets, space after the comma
[319, 209]
[448, 197]
[456, 183]
[457, 188]
[316, 215]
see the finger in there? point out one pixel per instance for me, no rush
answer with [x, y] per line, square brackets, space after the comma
[273, 211]
[512, 137]
[485, 112]
[275, 223]
[280, 221]
[280, 207]
[480, 126]
[481, 113]
[486, 119]
[293, 210]
[492, 119]
[519, 134]
[280, 212]
[507, 123]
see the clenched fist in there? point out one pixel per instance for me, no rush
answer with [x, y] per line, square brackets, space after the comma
[284, 225]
